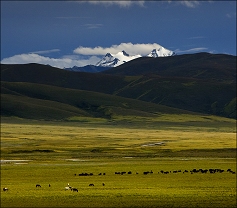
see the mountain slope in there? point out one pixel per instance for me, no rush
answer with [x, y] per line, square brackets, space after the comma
[87, 68]
[160, 52]
[189, 94]
[199, 82]
[29, 100]
[204, 83]
[201, 66]
[44, 74]
[114, 60]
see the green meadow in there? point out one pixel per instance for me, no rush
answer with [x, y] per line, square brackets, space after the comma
[56, 152]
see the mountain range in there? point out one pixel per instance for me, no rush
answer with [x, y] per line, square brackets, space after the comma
[114, 60]
[199, 83]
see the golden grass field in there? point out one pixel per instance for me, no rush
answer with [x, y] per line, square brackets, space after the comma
[48, 152]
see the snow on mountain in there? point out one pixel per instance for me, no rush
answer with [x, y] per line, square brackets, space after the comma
[113, 60]
[161, 52]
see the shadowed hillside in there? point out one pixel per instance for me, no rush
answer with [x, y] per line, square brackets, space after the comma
[190, 94]
[44, 74]
[204, 83]
[29, 100]
[205, 66]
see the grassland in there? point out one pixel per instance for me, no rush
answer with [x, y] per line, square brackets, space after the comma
[53, 152]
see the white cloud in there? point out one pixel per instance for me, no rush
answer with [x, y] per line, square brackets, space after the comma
[46, 51]
[88, 55]
[190, 4]
[130, 48]
[119, 3]
[93, 26]
[66, 61]
[192, 50]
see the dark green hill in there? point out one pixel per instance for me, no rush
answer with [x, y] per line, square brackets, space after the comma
[205, 66]
[190, 94]
[87, 68]
[37, 101]
[204, 83]
[44, 74]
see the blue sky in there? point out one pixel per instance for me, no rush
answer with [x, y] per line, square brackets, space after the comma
[68, 33]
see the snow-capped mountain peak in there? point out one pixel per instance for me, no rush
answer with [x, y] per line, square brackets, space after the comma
[160, 52]
[113, 60]
[108, 55]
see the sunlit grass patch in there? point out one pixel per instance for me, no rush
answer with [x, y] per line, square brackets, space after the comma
[56, 153]
[137, 189]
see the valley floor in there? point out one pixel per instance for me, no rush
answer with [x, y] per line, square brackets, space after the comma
[162, 164]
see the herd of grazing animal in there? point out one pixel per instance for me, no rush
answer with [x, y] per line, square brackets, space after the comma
[88, 174]
[202, 171]
[68, 187]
